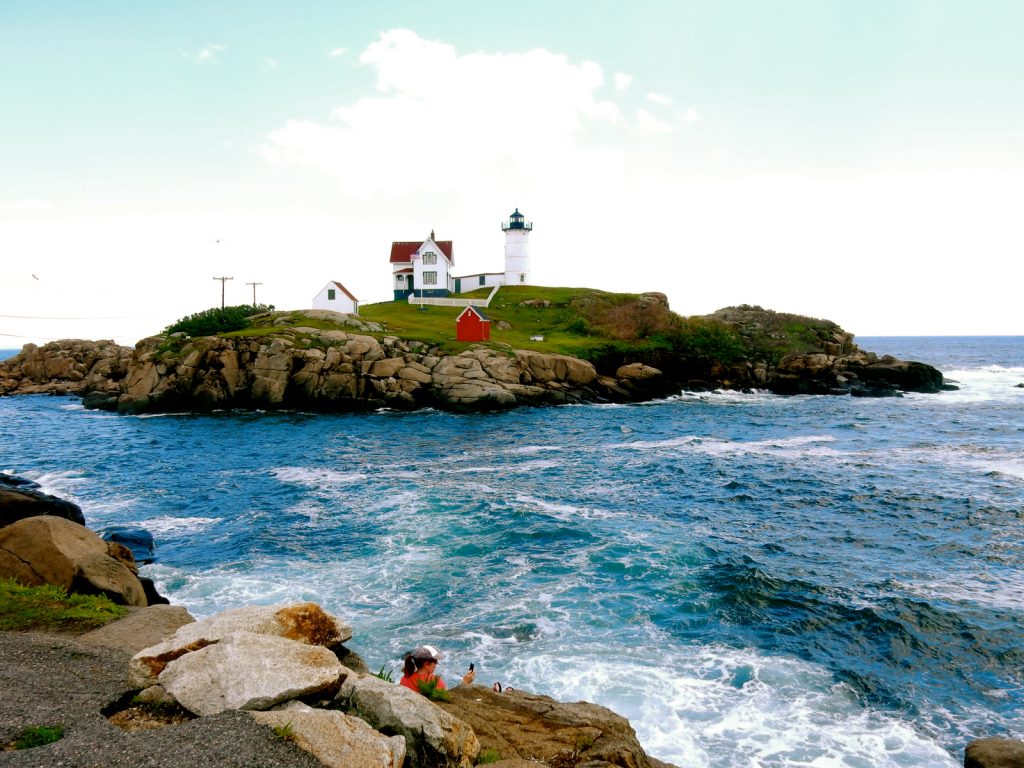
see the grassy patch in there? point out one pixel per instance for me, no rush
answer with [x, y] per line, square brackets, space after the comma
[385, 674]
[284, 732]
[37, 736]
[429, 689]
[488, 756]
[52, 608]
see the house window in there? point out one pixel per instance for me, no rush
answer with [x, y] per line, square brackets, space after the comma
[483, 278]
[430, 257]
[430, 278]
[330, 294]
[401, 279]
[522, 278]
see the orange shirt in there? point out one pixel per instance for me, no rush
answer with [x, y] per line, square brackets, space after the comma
[412, 682]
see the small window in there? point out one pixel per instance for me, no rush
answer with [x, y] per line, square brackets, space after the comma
[522, 278]
[430, 278]
[330, 294]
[401, 279]
[430, 257]
[483, 279]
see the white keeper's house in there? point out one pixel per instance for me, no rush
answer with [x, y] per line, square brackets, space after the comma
[424, 269]
[337, 297]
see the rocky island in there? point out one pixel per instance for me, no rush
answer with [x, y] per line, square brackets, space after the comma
[550, 346]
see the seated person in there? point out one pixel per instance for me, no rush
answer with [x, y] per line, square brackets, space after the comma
[420, 666]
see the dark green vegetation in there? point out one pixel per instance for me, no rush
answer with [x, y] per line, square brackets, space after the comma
[488, 756]
[51, 608]
[217, 320]
[37, 736]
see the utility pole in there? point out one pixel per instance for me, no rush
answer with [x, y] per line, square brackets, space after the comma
[223, 280]
[254, 292]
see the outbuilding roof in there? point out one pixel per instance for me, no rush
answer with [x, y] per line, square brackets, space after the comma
[344, 290]
[477, 311]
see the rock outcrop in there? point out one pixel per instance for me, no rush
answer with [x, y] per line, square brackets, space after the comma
[51, 550]
[339, 371]
[70, 366]
[21, 498]
[347, 369]
[579, 733]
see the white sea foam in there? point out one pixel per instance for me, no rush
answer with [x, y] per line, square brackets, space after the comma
[166, 524]
[1004, 590]
[62, 484]
[993, 383]
[792, 447]
[720, 707]
[310, 477]
[564, 512]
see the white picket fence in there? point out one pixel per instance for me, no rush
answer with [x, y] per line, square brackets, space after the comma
[433, 301]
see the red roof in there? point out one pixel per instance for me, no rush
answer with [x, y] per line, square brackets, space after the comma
[345, 290]
[402, 252]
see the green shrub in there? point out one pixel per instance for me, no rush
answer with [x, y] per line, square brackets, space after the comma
[37, 736]
[385, 675]
[488, 756]
[218, 320]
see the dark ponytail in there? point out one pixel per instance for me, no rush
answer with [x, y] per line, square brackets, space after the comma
[410, 665]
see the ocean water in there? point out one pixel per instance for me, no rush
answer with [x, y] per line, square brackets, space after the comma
[752, 580]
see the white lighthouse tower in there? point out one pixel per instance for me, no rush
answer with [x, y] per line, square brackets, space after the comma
[517, 249]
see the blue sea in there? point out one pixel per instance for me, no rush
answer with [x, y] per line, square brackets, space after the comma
[752, 580]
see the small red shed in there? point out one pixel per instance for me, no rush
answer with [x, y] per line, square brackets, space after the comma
[472, 325]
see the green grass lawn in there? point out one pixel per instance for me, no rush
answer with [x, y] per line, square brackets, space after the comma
[558, 323]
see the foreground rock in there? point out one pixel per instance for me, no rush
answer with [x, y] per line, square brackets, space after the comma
[244, 670]
[21, 498]
[995, 753]
[581, 732]
[433, 736]
[335, 739]
[304, 623]
[51, 550]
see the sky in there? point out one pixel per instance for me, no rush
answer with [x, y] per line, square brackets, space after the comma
[856, 161]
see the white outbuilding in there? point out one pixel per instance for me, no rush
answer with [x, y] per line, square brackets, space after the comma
[336, 297]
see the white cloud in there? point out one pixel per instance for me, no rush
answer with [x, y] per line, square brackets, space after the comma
[208, 54]
[622, 81]
[691, 115]
[442, 121]
[336, 52]
[648, 123]
[657, 98]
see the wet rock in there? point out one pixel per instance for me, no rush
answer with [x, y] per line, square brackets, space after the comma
[994, 753]
[20, 498]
